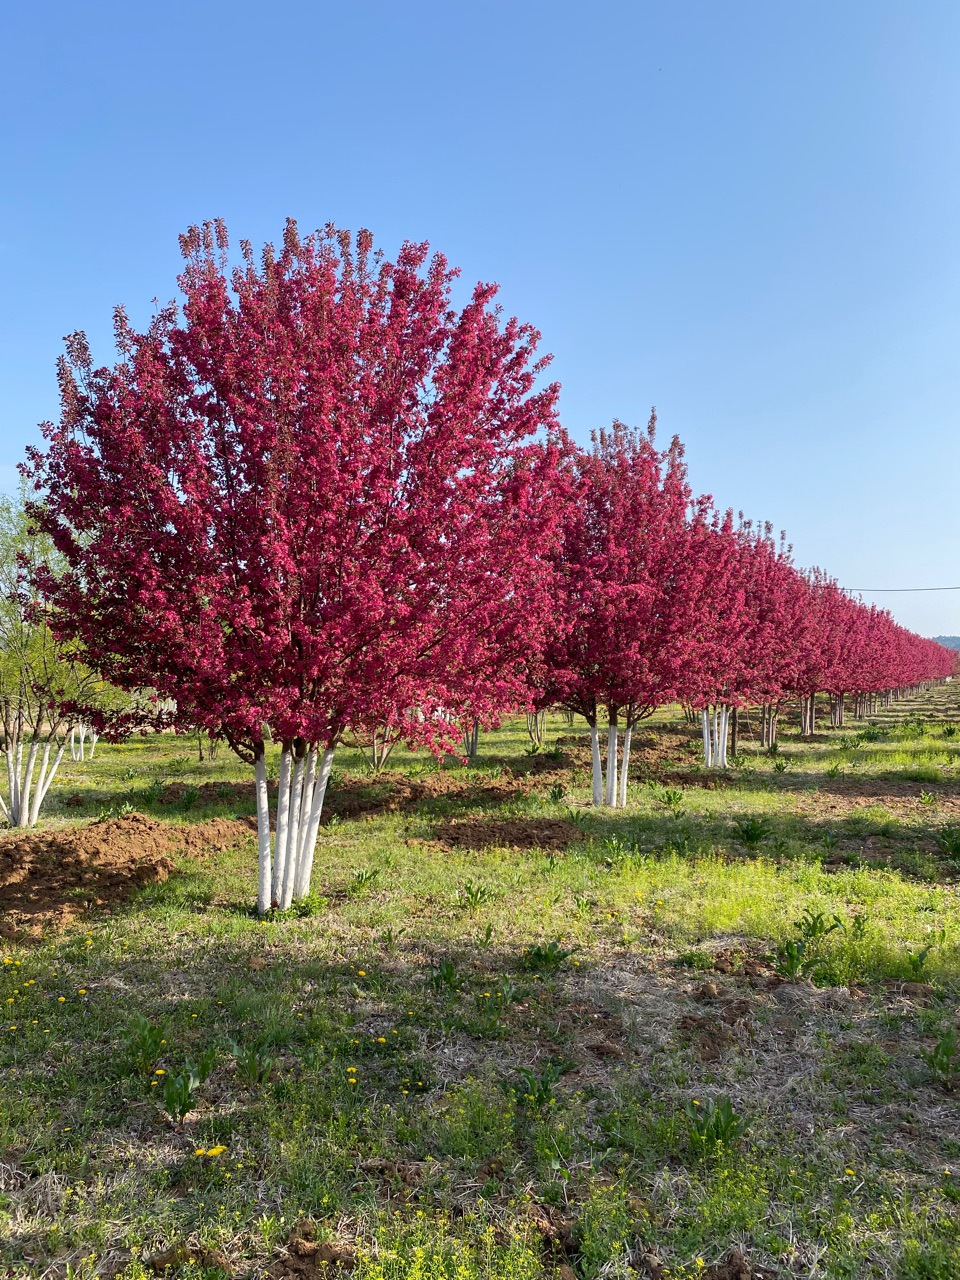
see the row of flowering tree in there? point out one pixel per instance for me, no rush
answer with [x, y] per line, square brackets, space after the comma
[663, 599]
[318, 501]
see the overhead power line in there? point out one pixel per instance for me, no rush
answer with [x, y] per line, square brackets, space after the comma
[875, 591]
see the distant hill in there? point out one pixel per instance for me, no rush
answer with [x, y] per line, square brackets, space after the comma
[948, 642]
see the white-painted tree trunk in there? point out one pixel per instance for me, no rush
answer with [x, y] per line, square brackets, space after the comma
[283, 813]
[597, 766]
[625, 765]
[314, 812]
[285, 861]
[610, 796]
[28, 781]
[725, 736]
[292, 845]
[265, 877]
[715, 722]
[78, 740]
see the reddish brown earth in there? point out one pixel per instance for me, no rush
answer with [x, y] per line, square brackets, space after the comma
[48, 878]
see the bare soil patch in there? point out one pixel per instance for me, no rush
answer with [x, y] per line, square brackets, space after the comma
[306, 1258]
[48, 878]
[515, 833]
[358, 795]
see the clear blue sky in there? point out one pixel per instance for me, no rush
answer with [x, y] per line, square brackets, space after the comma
[745, 212]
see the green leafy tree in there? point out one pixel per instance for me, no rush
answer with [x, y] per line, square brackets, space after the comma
[45, 694]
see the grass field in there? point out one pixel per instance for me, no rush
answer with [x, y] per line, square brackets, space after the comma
[713, 1035]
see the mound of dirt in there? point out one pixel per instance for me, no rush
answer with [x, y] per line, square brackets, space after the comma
[306, 1258]
[356, 795]
[49, 877]
[511, 833]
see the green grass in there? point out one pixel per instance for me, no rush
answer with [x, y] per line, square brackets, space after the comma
[462, 1063]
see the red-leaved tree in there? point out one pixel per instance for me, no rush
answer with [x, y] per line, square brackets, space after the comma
[630, 575]
[310, 500]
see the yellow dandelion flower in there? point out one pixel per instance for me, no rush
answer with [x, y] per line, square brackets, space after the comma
[82, 991]
[61, 999]
[216, 1151]
[200, 1151]
[361, 973]
[850, 1171]
[160, 1072]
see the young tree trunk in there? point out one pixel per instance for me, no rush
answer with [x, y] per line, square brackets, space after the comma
[285, 862]
[264, 868]
[707, 738]
[537, 727]
[597, 766]
[471, 739]
[610, 797]
[292, 846]
[28, 781]
[723, 730]
[734, 731]
[625, 764]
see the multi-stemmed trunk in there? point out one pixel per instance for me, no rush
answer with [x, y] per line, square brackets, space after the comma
[471, 739]
[808, 715]
[612, 790]
[286, 856]
[715, 723]
[78, 740]
[768, 725]
[537, 727]
[30, 771]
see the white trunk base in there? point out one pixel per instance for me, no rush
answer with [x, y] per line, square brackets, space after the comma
[285, 862]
